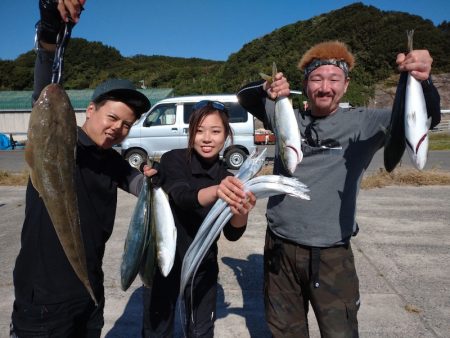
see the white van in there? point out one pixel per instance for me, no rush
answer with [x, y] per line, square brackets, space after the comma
[165, 127]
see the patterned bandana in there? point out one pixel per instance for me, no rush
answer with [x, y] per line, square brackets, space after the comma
[317, 63]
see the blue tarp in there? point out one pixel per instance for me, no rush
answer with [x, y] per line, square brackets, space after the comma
[5, 142]
[8, 143]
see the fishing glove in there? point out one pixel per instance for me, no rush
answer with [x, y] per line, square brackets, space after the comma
[50, 23]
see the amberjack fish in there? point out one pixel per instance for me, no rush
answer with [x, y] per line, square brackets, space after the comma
[137, 237]
[50, 153]
[164, 229]
[286, 130]
[417, 122]
[148, 261]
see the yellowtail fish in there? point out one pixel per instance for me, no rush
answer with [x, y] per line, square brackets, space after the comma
[148, 261]
[137, 237]
[286, 129]
[50, 153]
[417, 122]
[164, 229]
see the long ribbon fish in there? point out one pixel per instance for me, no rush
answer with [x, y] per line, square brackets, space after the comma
[249, 168]
[261, 187]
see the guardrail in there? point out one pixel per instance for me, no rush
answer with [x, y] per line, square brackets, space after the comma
[443, 126]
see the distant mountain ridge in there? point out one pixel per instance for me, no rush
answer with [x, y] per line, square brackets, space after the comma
[374, 36]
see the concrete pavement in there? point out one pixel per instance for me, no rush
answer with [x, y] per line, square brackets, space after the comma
[402, 255]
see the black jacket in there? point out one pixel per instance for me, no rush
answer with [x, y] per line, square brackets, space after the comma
[182, 178]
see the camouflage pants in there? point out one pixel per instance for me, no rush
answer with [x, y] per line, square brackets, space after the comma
[288, 290]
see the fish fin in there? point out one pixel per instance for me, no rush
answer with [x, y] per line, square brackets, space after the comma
[266, 77]
[429, 123]
[274, 70]
[29, 154]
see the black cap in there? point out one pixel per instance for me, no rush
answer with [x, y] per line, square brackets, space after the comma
[123, 91]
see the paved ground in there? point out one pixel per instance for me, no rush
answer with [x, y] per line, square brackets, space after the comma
[402, 255]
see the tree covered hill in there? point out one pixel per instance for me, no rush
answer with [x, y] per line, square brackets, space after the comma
[374, 36]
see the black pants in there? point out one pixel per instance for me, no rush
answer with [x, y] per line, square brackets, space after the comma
[289, 289]
[71, 319]
[160, 302]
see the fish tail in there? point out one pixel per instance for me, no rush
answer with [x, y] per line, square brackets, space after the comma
[410, 34]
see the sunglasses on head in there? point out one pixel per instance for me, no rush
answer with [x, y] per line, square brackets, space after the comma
[215, 104]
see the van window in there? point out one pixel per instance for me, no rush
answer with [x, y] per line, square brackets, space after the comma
[164, 114]
[235, 111]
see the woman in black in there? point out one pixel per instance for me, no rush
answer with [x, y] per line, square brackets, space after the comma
[194, 178]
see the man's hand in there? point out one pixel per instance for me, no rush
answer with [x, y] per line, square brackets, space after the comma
[417, 62]
[278, 87]
[149, 171]
[70, 8]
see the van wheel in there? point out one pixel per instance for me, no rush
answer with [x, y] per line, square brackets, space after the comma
[234, 158]
[137, 158]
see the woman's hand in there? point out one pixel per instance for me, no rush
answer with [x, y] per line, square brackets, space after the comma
[231, 191]
[247, 204]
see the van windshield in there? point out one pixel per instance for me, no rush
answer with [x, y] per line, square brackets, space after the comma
[163, 114]
[235, 111]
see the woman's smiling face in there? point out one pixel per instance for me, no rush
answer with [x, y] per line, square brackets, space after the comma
[210, 136]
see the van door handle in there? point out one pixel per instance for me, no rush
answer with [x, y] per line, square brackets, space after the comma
[174, 129]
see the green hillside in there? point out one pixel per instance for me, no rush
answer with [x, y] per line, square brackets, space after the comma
[374, 36]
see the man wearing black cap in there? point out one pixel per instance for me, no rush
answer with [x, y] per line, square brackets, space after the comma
[50, 300]
[307, 254]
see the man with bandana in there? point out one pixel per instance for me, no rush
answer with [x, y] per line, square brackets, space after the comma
[307, 256]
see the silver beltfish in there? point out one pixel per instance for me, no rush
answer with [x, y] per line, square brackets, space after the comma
[248, 169]
[262, 187]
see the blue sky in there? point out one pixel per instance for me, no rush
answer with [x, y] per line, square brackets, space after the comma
[209, 29]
